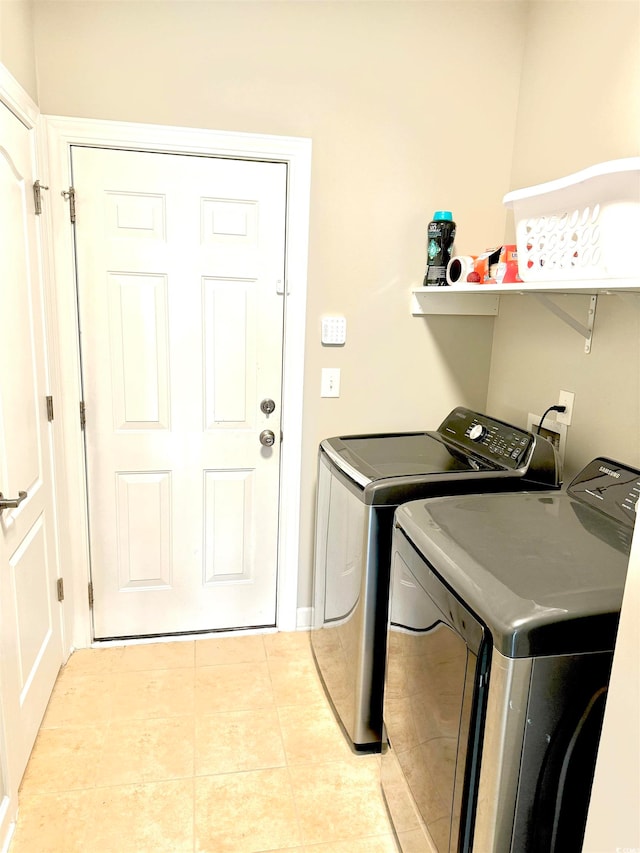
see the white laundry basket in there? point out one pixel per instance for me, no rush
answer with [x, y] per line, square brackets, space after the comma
[582, 227]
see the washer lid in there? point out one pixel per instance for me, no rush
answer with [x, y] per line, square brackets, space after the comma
[545, 572]
[376, 457]
[466, 443]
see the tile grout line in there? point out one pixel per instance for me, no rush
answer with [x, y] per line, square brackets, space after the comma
[286, 759]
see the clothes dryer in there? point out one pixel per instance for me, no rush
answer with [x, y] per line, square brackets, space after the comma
[503, 618]
[361, 481]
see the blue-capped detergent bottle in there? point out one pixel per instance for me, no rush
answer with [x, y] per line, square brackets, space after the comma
[440, 236]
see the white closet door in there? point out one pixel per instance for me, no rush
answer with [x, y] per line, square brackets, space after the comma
[30, 631]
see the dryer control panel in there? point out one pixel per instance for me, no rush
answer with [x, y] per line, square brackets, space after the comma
[499, 442]
[609, 486]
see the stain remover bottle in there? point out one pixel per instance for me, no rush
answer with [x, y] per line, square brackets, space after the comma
[440, 236]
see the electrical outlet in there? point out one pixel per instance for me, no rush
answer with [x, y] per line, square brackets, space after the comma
[551, 430]
[565, 398]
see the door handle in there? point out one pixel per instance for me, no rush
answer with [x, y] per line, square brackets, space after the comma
[267, 438]
[11, 503]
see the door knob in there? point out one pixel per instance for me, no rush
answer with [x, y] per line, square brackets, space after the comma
[267, 438]
[267, 406]
[11, 503]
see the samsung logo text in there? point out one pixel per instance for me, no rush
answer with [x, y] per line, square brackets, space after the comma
[608, 471]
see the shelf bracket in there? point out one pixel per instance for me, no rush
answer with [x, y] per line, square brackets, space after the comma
[584, 331]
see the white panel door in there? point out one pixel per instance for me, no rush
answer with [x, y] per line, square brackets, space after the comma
[8, 792]
[30, 631]
[180, 264]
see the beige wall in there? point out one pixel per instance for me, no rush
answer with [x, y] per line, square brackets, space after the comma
[614, 818]
[408, 113]
[579, 101]
[579, 104]
[16, 43]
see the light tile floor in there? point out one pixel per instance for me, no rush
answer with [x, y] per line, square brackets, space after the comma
[207, 745]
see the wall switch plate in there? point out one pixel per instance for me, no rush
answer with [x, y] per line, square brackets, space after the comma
[330, 382]
[334, 331]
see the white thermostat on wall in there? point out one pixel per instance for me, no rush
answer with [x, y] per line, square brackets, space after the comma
[334, 331]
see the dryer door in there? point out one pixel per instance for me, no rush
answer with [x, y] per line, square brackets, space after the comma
[434, 694]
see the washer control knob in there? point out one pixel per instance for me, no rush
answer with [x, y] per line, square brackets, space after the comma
[477, 432]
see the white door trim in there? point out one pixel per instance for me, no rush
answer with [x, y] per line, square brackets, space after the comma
[17, 99]
[59, 134]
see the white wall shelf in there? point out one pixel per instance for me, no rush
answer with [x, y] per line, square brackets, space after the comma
[428, 300]
[484, 299]
[449, 300]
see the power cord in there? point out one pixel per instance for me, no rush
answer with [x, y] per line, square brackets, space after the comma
[551, 409]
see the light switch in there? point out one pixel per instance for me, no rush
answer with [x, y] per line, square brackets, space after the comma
[330, 382]
[334, 331]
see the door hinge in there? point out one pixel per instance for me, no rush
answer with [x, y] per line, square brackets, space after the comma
[49, 409]
[70, 196]
[60, 589]
[83, 415]
[90, 595]
[37, 197]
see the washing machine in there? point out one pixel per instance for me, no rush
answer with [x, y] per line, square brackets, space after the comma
[503, 618]
[361, 481]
